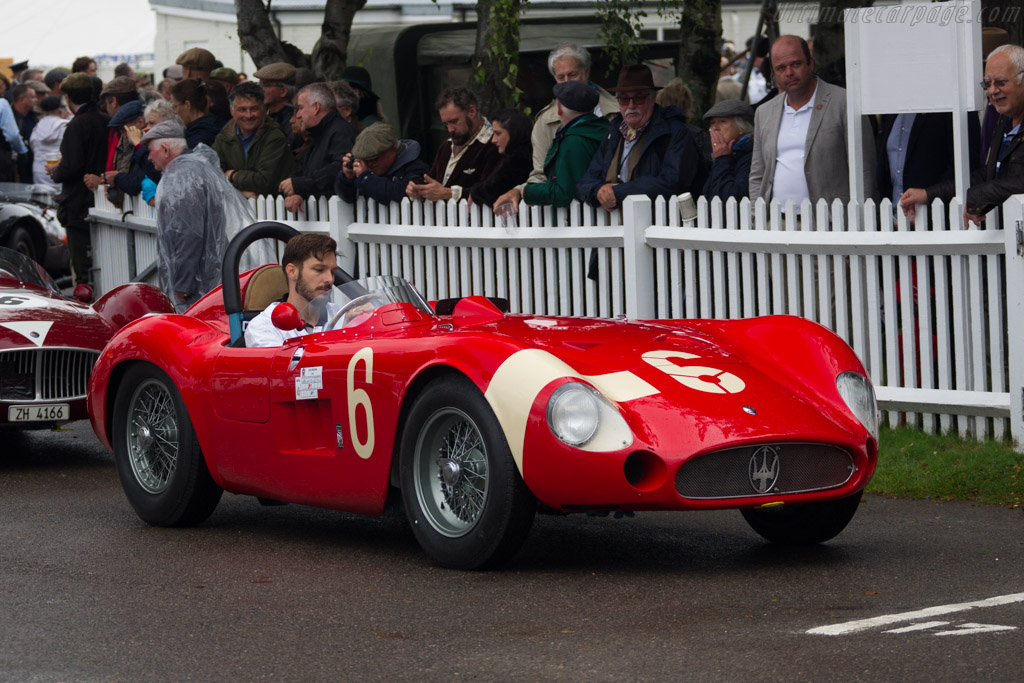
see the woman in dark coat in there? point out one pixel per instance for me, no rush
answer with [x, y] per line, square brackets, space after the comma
[191, 104]
[511, 135]
[732, 145]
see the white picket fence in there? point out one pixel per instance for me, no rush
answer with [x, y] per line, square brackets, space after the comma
[927, 306]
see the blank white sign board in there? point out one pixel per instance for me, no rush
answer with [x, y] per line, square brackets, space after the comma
[913, 58]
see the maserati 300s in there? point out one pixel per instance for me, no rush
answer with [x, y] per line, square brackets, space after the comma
[478, 417]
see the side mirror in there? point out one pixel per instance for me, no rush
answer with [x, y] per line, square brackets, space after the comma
[83, 293]
[286, 317]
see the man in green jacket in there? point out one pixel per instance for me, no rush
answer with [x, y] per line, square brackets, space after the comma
[569, 155]
[254, 152]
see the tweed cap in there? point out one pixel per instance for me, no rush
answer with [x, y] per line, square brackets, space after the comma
[127, 113]
[76, 81]
[225, 74]
[39, 88]
[197, 58]
[730, 108]
[163, 130]
[174, 72]
[278, 71]
[374, 140]
[576, 96]
[119, 86]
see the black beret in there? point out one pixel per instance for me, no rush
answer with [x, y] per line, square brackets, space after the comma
[576, 96]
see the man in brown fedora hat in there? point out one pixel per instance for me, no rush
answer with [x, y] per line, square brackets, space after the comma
[647, 150]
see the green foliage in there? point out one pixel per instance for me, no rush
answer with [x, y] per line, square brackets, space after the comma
[913, 464]
[495, 73]
[621, 21]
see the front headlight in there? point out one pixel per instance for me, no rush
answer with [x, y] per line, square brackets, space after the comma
[580, 416]
[859, 395]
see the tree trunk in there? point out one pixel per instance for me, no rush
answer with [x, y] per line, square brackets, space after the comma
[830, 39]
[330, 53]
[258, 37]
[496, 58]
[700, 41]
[256, 33]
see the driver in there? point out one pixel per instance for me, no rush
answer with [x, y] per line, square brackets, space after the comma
[309, 261]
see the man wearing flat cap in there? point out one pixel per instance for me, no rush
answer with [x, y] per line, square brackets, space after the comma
[197, 211]
[380, 166]
[570, 152]
[731, 126]
[254, 152]
[647, 149]
[83, 153]
[278, 81]
[196, 63]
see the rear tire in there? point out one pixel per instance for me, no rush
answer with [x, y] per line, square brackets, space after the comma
[159, 462]
[466, 503]
[20, 240]
[806, 524]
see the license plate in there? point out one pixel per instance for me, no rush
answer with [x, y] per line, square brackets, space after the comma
[40, 413]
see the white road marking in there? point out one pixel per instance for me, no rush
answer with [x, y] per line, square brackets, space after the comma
[884, 620]
[924, 626]
[976, 628]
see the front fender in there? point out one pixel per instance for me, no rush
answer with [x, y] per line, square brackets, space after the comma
[180, 346]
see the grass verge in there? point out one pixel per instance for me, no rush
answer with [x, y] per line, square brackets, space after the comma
[914, 464]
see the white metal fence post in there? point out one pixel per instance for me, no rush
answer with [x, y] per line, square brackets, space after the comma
[1013, 232]
[637, 215]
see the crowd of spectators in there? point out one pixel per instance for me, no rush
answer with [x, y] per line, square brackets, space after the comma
[776, 131]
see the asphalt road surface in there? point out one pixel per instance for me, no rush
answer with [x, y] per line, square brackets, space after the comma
[910, 591]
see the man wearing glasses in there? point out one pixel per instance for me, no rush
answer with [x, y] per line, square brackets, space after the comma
[1003, 174]
[647, 150]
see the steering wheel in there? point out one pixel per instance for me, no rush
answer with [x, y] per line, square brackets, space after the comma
[358, 301]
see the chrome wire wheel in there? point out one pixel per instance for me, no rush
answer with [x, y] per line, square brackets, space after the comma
[450, 472]
[152, 435]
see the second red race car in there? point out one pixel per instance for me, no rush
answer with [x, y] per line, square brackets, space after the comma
[49, 342]
[478, 417]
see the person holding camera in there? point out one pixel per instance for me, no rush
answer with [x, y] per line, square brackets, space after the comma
[380, 166]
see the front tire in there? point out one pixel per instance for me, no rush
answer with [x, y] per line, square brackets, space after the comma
[806, 524]
[466, 503]
[158, 458]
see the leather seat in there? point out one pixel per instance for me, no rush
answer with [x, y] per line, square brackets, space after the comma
[267, 285]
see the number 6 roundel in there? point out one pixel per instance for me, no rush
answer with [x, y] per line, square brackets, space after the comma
[699, 377]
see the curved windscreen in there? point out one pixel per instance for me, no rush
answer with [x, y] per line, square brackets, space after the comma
[16, 266]
[354, 302]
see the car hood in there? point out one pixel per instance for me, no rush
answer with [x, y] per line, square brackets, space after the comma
[595, 346]
[38, 317]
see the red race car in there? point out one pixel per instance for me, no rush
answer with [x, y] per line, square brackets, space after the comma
[49, 343]
[478, 417]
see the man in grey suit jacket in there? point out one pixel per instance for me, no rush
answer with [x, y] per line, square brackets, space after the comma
[800, 135]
